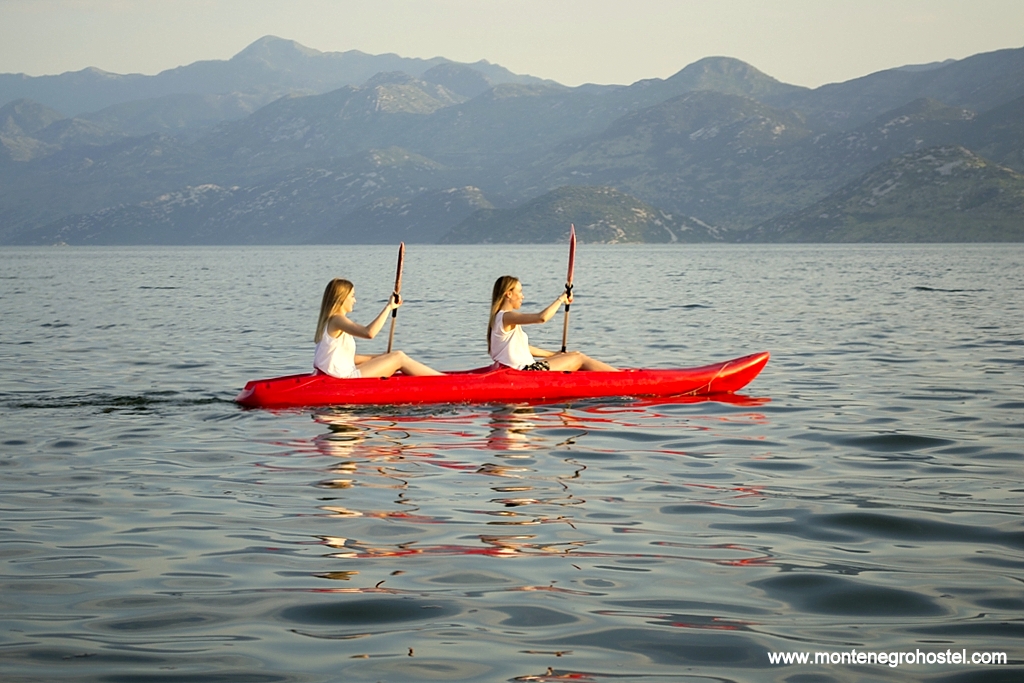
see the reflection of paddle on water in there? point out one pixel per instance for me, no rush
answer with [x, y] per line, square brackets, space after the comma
[343, 437]
[510, 429]
[347, 435]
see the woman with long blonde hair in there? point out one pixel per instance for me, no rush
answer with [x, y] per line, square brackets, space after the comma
[509, 346]
[336, 348]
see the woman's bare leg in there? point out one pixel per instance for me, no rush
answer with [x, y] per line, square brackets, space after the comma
[388, 364]
[597, 366]
[574, 360]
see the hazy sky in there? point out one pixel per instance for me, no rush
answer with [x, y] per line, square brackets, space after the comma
[805, 42]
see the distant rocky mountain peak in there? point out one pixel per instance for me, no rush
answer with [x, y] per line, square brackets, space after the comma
[389, 78]
[459, 78]
[271, 49]
[731, 76]
[25, 117]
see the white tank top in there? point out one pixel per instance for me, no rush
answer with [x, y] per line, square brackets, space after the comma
[510, 348]
[336, 356]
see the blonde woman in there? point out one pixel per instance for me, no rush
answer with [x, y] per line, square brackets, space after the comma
[508, 344]
[336, 347]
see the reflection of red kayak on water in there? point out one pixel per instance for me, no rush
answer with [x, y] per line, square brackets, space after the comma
[500, 386]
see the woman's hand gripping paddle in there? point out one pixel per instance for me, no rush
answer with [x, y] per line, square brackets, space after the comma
[398, 290]
[568, 282]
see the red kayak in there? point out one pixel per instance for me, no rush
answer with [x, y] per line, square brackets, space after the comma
[486, 385]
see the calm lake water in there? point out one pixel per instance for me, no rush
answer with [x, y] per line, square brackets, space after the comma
[864, 494]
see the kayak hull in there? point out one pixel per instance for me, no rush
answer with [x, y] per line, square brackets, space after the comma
[486, 385]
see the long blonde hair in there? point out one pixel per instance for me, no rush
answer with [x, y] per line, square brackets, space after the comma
[335, 293]
[502, 286]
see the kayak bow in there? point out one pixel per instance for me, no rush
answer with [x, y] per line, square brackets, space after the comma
[487, 385]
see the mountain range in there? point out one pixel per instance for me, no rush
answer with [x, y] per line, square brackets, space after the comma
[282, 144]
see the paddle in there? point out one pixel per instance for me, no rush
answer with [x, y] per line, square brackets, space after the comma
[568, 282]
[398, 290]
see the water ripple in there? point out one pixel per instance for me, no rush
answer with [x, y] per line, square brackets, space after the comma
[865, 493]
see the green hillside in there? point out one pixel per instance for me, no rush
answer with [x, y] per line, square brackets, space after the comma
[601, 215]
[944, 194]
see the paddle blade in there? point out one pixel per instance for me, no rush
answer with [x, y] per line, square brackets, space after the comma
[568, 283]
[398, 289]
[398, 273]
[572, 253]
